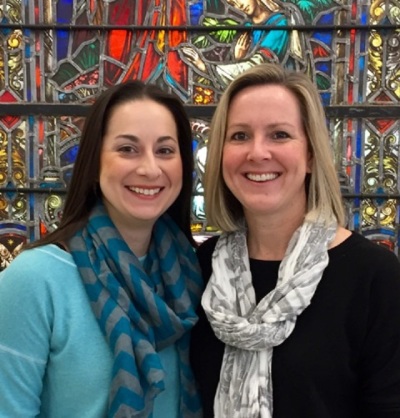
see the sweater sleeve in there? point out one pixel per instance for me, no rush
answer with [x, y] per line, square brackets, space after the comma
[380, 357]
[204, 254]
[25, 329]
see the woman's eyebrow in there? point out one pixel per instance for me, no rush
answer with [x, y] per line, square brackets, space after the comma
[136, 139]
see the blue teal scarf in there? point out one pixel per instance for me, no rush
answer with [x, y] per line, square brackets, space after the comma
[141, 309]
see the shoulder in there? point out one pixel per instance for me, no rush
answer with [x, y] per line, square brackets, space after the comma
[366, 251]
[38, 266]
[47, 254]
[204, 254]
[367, 263]
[34, 284]
[206, 248]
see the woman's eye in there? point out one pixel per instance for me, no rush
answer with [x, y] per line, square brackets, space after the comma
[280, 135]
[238, 136]
[166, 151]
[126, 149]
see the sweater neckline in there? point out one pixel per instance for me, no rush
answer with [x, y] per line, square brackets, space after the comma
[333, 252]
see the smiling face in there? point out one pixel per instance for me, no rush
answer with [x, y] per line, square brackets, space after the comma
[140, 163]
[265, 156]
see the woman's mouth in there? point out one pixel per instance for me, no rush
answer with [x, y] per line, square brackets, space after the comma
[145, 191]
[262, 177]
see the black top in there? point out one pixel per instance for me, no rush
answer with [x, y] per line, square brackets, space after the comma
[343, 358]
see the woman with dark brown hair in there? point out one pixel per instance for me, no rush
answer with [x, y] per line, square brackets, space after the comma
[95, 317]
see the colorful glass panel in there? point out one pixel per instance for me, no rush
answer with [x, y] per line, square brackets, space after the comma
[57, 55]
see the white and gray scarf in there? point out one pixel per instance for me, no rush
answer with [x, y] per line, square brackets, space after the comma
[251, 331]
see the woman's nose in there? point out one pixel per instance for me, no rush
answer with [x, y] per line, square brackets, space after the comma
[148, 167]
[259, 150]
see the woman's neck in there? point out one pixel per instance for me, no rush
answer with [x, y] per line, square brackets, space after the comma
[268, 240]
[138, 238]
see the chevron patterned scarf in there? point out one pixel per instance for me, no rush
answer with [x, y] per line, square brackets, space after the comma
[141, 309]
[250, 331]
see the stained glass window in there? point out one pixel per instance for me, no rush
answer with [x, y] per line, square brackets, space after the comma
[57, 55]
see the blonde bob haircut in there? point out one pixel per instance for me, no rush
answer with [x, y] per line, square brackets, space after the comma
[324, 199]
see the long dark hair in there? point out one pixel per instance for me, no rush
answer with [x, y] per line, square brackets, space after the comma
[84, 190]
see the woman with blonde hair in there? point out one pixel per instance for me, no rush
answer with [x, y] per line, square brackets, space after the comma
[300, 316]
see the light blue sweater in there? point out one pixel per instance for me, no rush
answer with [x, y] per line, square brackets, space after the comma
[54, 360]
